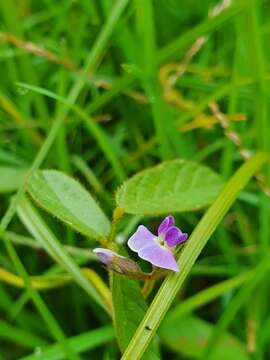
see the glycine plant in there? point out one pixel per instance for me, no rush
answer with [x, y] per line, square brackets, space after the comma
[171, 187]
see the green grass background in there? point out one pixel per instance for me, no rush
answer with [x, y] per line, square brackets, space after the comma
[96, 110]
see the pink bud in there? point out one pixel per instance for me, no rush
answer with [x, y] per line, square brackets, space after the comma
[117, 263]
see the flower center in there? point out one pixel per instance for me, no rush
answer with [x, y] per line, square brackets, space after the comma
[160, 240]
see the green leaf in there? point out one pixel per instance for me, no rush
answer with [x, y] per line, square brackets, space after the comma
[129, 309]
[65, 198]
[189, 336]
[172, 186]
[10, 178]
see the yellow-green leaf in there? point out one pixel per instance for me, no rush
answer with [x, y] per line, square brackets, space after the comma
[172, 186]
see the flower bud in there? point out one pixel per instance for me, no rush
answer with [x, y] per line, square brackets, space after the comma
[117, 263]
[118, 214]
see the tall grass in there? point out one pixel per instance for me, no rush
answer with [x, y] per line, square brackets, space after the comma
[102, 90]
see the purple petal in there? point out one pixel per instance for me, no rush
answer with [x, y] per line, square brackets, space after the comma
[159, 256]
[166, 224]
[141, 238]
[175, 236]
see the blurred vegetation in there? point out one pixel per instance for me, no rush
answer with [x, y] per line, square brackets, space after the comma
[101, 89]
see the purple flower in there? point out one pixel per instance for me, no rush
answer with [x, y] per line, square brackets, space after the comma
[158, 249]
[117, 263]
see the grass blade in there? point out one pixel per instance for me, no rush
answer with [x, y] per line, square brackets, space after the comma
[203, 28]
[80, 343]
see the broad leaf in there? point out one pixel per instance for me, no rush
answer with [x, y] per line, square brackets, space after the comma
[11, 178]
[66, 199]
[129, 309]
[189, 335]
[172, 186]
